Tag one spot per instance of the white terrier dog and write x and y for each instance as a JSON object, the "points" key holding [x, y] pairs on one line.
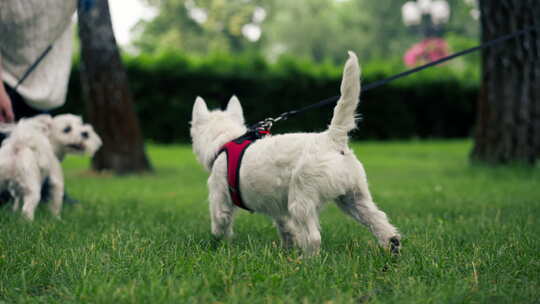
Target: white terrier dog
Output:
{"points": [[70, 135], [289, 177], [32, 153]]}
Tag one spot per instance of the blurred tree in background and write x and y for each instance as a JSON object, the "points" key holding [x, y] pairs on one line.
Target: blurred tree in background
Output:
{"points": [[318, 30], [508, 123], [108, 98]]}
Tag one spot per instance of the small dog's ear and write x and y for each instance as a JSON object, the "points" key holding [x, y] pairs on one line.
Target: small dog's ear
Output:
{"points": [[235, 108], [200, 110], [44, 119]]}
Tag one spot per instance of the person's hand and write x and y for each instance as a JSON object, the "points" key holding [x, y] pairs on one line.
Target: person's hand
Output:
{"points": [[6, 109]]}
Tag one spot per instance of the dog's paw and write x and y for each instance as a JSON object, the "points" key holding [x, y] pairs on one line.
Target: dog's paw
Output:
{"points": [[395, 245], [28, 216]]}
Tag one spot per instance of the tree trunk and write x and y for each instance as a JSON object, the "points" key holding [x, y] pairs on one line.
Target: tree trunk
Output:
{"points": [[508, 122], [107, 96]]}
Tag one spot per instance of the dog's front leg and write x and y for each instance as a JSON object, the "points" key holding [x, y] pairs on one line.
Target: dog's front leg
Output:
{"points": [[56, 189], [222, 214], [221, 209], [285, 228], [16, 201]]}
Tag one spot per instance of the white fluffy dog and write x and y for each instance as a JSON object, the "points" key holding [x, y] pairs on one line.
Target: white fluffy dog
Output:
{"points": [[32, 153], [289, 177]]}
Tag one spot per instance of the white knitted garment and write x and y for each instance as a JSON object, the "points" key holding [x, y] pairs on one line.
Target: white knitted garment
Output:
{"points": [[27, 28]]}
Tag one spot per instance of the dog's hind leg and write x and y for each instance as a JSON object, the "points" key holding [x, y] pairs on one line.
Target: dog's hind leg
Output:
{"points": [[305, 219], [360, 206], [307, 234]]}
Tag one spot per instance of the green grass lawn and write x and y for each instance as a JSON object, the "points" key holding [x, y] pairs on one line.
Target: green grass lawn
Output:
{"points": [[471, 235]]}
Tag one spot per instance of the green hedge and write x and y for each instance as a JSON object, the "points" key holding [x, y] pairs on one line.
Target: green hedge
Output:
{"points": [[435, 103]]}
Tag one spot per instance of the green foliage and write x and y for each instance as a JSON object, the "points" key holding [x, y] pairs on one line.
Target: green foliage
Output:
{"points": [[461, 22], [435, 103], [317, 30], [459, 43], [174, 29], [470, 236], [321, 30]]}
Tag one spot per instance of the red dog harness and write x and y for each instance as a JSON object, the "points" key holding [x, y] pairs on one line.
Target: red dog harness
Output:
{"points": [[235, 151]]}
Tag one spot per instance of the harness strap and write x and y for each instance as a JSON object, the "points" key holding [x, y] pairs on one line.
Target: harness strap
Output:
{"points": [[235, 151]]}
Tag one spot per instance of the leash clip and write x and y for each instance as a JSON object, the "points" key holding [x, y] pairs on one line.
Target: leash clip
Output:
{"points": [[266, 125]]}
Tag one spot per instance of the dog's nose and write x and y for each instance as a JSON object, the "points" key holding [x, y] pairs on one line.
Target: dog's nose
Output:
{"points": [[84, 134]]}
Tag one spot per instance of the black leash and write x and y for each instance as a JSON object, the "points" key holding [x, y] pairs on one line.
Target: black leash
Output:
{"points": [[268, 122], [33, 66], [84, 5]]}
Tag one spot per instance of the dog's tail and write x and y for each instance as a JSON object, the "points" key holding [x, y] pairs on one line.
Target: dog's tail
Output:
{"points": [[344, 119]]}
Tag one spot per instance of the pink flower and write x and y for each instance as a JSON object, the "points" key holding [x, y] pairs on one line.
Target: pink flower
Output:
{"points": [[429, 50]]}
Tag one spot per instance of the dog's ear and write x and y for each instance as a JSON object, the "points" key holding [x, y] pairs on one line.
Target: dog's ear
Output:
{"points": [[45, 119], [235, 108], [42, 122], [200, 110]]}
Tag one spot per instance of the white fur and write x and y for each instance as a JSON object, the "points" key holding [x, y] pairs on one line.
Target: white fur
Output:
{"points": [[33, 152], [289, 177]]}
